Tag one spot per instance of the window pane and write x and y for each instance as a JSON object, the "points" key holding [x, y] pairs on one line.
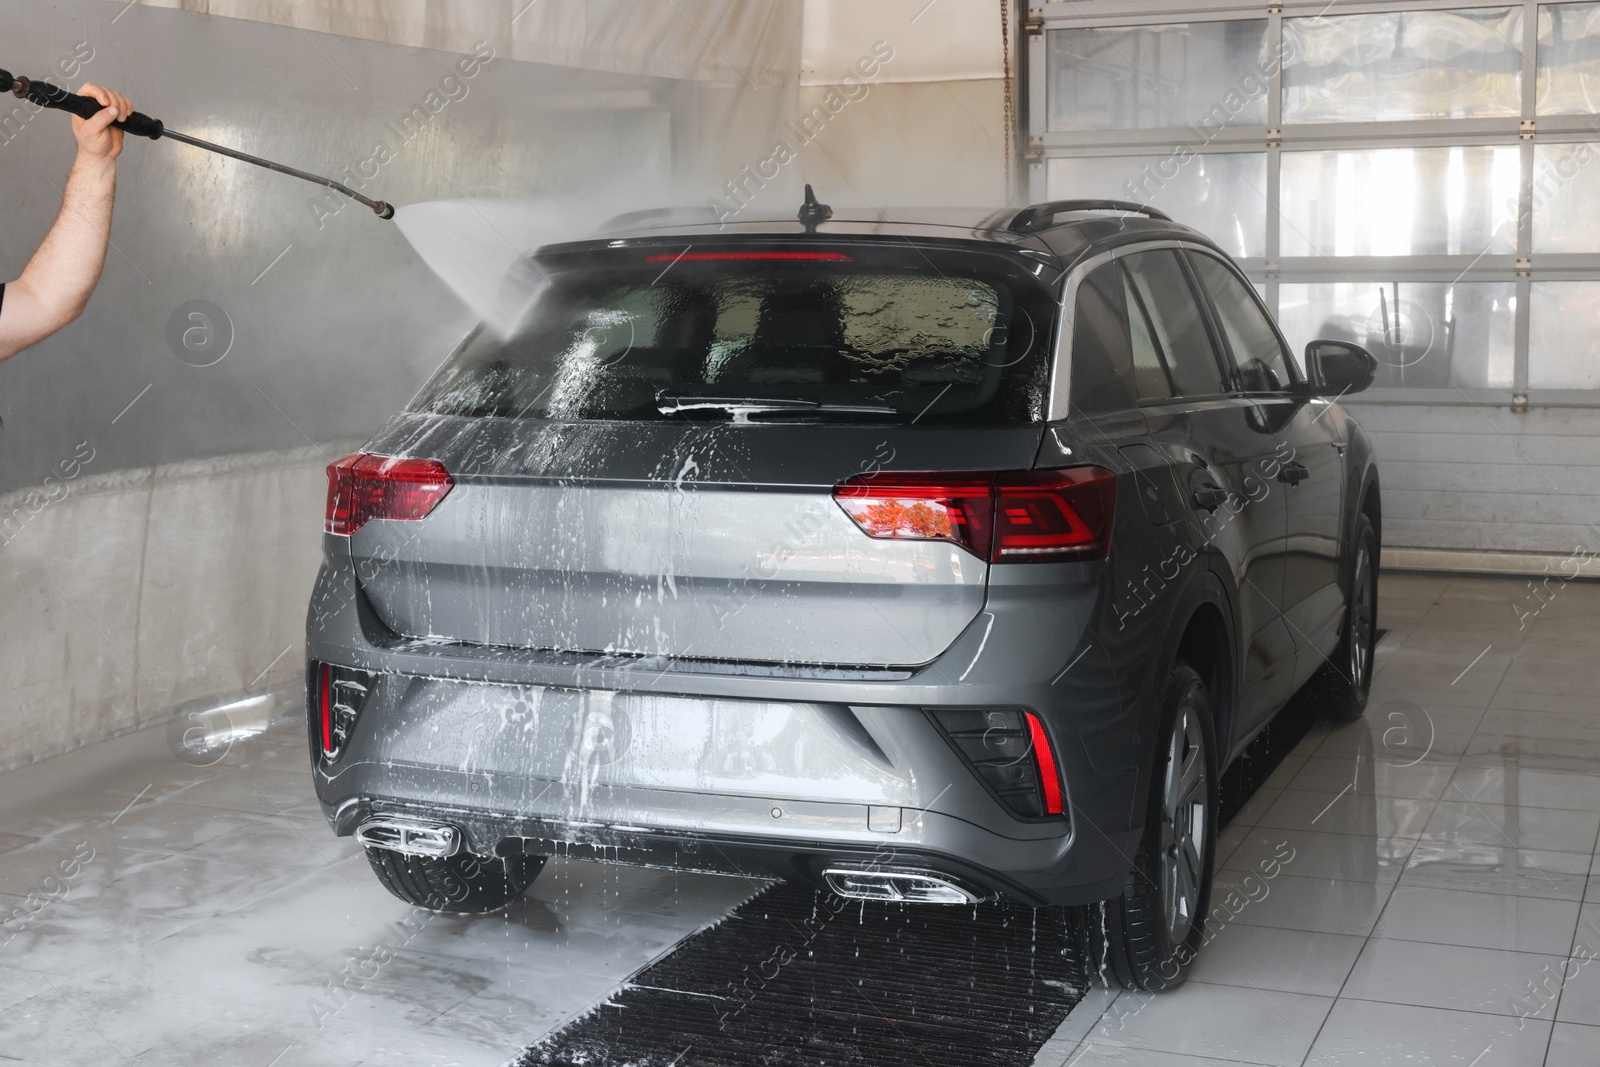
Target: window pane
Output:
{"points": [[1409, 65], [1211, 74], [1150, 377], [1401, 202], [1221, 194], [1566, 198], [1564, 336], [1257, 352], [1569, 59], [1180, 329], [1424, 334], [1102, 350]]}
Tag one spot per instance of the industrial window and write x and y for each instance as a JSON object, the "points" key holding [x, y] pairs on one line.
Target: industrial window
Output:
{"points": [[1418, 178]]}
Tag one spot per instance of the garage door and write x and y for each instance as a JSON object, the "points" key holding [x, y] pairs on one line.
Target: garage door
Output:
{"points": [[1423, 181]]}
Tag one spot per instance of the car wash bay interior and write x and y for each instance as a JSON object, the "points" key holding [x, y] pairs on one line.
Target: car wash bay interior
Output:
{"points": [[1417, 887]]}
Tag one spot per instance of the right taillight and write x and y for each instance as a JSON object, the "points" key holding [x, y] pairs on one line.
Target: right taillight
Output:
{"points": [[364, 487], [1005, 517]]}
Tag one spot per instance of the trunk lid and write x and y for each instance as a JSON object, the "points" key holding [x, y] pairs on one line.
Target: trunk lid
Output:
{"points": [[715, 542]]}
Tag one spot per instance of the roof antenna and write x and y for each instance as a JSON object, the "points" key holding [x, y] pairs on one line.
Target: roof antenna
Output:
{"points": [[813, 214]]}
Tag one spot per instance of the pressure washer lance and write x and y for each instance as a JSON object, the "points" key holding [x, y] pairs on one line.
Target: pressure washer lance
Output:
{"points": [[141, 125]]}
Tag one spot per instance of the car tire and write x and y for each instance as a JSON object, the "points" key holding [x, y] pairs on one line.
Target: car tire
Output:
{"points": [[463, 884], [1341, 686], [1146, 937]]}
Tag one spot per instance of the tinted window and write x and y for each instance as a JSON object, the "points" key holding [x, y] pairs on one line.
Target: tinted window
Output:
{"points": [[1256, 348], [1179, 326], [1149, 370], [930, 336], [1102, 349]]}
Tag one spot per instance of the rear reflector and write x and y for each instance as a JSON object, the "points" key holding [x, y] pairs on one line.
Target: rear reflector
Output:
{"points": [[341, 693], [1010, 750], [1008, 517], [363, 487], [737, 257], [1044, 759]]}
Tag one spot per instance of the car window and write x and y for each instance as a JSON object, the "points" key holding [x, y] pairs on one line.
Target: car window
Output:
{"points": [[1114, 359], [1102, 350], [1150, 376], [918, 334], [1180, 328], [1261, 364]]}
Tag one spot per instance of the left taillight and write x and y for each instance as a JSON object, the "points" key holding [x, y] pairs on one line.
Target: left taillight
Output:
{"points": [[364, 487], [1004, 517]]}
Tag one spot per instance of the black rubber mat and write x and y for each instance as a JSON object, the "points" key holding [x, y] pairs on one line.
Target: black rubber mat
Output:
{"points": [[794, 977]]}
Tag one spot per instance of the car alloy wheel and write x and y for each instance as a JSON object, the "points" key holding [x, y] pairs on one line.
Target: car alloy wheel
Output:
{"points": [[1184, 825]]}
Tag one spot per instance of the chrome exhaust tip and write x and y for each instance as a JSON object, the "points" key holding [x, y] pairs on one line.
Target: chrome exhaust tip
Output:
{"points": [[410, 837], [899, 886]]}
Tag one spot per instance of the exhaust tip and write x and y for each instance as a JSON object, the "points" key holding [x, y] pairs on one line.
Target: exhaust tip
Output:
{"points": [[410, 837], [899, 886]]}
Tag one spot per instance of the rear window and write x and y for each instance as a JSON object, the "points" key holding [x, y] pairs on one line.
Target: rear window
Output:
{"points": [[895, 334]]}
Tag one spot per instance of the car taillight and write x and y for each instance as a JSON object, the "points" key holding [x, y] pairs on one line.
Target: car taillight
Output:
{"points": [[1007, 517], [363, 487]]}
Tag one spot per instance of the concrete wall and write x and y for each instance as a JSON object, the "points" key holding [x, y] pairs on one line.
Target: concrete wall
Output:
{"points": [[127, 593]]}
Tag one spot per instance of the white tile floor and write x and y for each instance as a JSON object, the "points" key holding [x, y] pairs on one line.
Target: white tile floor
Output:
{"points": [[1442, 895], [200, 915]]}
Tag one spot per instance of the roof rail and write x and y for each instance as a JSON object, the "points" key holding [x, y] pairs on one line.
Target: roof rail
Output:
{"points": [[1036, 217]]}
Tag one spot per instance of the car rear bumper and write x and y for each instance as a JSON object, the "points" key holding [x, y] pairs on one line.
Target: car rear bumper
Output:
{"points": [[782, 775]]}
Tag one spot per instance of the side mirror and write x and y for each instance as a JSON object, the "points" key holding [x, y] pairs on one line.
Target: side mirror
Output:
{"points": [[1338, 368]]}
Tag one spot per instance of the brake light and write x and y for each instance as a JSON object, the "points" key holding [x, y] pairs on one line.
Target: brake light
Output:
{"points": [[1044, 759], [1008, 517], [737, 257], [364, 487]]}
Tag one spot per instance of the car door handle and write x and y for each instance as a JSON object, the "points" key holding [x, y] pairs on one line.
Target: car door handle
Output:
{"points": [[1294, 473], [1209, 496]]}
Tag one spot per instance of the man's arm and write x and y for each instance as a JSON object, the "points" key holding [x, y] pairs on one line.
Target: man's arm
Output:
{"points": [[54, 288]]}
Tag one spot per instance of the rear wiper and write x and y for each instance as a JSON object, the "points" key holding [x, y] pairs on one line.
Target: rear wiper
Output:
{"points": [[741, 408]]}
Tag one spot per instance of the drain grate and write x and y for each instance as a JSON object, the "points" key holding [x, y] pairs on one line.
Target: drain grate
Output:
{"points": [[796, 977]]}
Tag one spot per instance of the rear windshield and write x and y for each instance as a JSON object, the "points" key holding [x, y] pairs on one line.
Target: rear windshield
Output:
{"points": [[860, 334]]}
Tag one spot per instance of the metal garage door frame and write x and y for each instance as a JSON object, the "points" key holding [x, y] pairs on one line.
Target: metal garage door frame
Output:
{"points": [[1274, 138]]}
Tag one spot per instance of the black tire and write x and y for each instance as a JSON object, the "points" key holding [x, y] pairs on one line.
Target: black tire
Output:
{"points": [[1341, 686], [1146, 937], [462, 884]]}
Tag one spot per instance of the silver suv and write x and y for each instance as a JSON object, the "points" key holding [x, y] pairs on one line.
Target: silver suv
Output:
{"points": [[925, 560]]}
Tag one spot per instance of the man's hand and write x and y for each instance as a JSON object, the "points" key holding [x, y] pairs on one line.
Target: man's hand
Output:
{"points": [[97, 138], [55, 287]]}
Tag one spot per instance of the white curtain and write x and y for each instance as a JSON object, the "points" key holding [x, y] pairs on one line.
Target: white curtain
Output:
{"points": [[731, 42]]}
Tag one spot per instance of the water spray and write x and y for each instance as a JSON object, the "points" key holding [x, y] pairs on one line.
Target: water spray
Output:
{"points": [[139, 124]]}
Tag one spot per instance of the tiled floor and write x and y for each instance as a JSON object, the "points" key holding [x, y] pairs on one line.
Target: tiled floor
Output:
{"points": [[1444, 894], [171, 914], [1438, 900]]}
